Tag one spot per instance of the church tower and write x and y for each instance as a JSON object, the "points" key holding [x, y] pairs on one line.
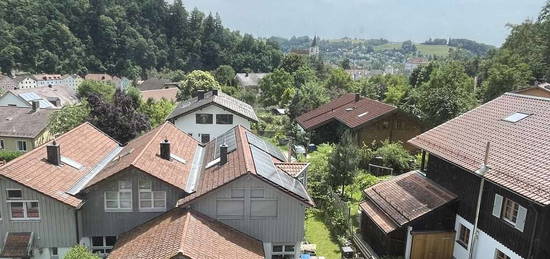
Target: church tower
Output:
{"points": [[314, 49]]}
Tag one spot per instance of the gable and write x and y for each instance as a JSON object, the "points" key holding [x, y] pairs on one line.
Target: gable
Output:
{"points": [[10, 99]]}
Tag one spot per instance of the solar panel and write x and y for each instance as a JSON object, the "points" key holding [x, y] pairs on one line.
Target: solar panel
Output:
{"points": [[30, 96], [227, 138], [266, 169], [265, 146]]}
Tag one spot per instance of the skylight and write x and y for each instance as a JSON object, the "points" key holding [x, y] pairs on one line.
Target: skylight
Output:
{"points": [[516, 117], [362, 114]]}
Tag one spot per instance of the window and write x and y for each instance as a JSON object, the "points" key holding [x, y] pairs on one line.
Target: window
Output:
{"points": [[120, 200], [149, 199], [501, 255], [510, 212], [204, 118], [283, 252], [54, 253], [263, 208], [230, 208], [516, 117], [14, 194], [463, 236], [224, 118], [205, 138], [2, 144], [22, 145], [103, 245], [24, 210]]}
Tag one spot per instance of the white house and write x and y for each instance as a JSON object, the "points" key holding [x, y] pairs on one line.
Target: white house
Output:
{"points": [[210, 114], [25, 81], [49, 80]]}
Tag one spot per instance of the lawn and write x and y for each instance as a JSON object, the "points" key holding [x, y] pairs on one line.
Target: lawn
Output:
{"points": [[317, 233], [438, 50]]}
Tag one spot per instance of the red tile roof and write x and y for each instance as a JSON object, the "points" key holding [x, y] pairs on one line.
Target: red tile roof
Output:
{"points": [[168, 94], [239, 163], [519, 155], [17, 245], [349, 109], [84, 144], [143, 153], [186, 233], [400, 200], [292, 168]]}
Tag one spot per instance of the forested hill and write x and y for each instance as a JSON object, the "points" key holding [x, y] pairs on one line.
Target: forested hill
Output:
{"points": [[122, 37]]}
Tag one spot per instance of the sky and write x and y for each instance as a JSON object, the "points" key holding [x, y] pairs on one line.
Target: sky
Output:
{"points": [[396, 20]]}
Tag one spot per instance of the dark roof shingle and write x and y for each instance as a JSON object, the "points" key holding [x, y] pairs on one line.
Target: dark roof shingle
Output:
{"points": [[17, 244]]}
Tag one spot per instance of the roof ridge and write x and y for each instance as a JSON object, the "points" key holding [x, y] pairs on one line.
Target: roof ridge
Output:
{"points": [[337, 107], [526, 96], [247, 153], [159, 128], [185, 229]]}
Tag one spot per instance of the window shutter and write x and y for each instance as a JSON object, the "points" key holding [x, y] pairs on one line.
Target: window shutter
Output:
{"points": [[522, 215], [497, 206]]}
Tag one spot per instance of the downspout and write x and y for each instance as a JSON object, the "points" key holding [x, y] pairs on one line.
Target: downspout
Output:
{"points": [[532, 241], [481, 172]]}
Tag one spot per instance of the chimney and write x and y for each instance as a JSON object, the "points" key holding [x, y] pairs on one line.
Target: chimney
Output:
{"points": [[215, 92], [223, 154], [35, 105], [200, 94], [165, 149], [53, 153], [357, 97], [246, 74]]}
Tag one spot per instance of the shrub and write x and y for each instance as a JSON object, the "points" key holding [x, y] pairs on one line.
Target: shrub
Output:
{"points": [[6, 155], [80, 252], [394, 155]]}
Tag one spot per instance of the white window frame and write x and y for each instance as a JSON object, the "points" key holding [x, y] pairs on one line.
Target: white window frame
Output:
{"points": [[104, 247], [284, 250], [24, 142], [118, 200], [459, 236], [498, 251], [152, 199], [25, 210]]}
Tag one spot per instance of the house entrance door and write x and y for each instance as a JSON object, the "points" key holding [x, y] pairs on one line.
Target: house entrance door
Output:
{"points": [[432, 245]]}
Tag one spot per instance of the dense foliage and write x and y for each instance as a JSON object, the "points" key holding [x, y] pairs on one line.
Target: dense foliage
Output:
{"points": [[80, 252], [68, 117], [122, 37], [7, 155]]}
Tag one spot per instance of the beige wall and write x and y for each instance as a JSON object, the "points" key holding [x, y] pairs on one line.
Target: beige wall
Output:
{"points": [[535, 92], [10, 143]]}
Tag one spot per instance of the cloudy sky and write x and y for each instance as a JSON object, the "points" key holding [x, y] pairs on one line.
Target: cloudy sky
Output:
{"points": [[396, 20]]}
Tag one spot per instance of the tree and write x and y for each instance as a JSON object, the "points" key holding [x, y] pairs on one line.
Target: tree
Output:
{"points": [[277, 88], [157, 111], [319, 171], [197, 80], [394, 155], [346, 64], [343, 162], [224, 74], [447, 94], [101, 89], [119, 119], [308, 97], [68, 118], [339, 82], [80, 252], [504, 72], [408, 47], [292, 62]]}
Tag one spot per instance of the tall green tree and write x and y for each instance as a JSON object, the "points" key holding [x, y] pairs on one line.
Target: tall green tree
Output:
{"points": [[197, 80], [224, 74], [277, 88], [343, 162], [504, 72]]}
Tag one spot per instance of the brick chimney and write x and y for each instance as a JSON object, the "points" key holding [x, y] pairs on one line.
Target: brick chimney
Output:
{"points": [[357, 97], [53, 152], [35, 105], [223, 154]]}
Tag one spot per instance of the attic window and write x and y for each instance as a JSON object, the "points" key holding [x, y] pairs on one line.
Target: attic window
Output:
{"points": [[516, 117]]}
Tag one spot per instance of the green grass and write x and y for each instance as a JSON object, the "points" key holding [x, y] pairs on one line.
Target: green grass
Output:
{"points": [[438, 50], [317, 233]]}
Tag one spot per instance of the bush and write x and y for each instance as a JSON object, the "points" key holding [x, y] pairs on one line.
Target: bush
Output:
{"points": [[394, 155], [6, 155], [80, 252]]}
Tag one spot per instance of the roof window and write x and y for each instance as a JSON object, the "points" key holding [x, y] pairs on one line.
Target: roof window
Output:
{"points": [[516, 117]]}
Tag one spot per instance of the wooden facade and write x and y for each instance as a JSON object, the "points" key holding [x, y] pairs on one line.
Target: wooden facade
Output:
{"points": [[532, 241]]}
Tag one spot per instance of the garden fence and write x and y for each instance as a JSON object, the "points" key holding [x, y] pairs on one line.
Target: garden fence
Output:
{"points": [[379, 170]]}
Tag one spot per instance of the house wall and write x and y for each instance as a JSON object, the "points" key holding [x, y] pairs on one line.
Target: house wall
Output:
{"points": [[397, 127], [535, 92], [10, 143], [392, 244], [187, 122], [56, 226], [10, 99], [27, 83], [97, 222], [466, 186], [286, 228]]}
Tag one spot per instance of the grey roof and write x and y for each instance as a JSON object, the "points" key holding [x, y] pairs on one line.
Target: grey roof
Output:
{"points": [[22, 122], [7, 83], [155, 84], [20, 78], [65, 94], [249, 79], [220, 99]]}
